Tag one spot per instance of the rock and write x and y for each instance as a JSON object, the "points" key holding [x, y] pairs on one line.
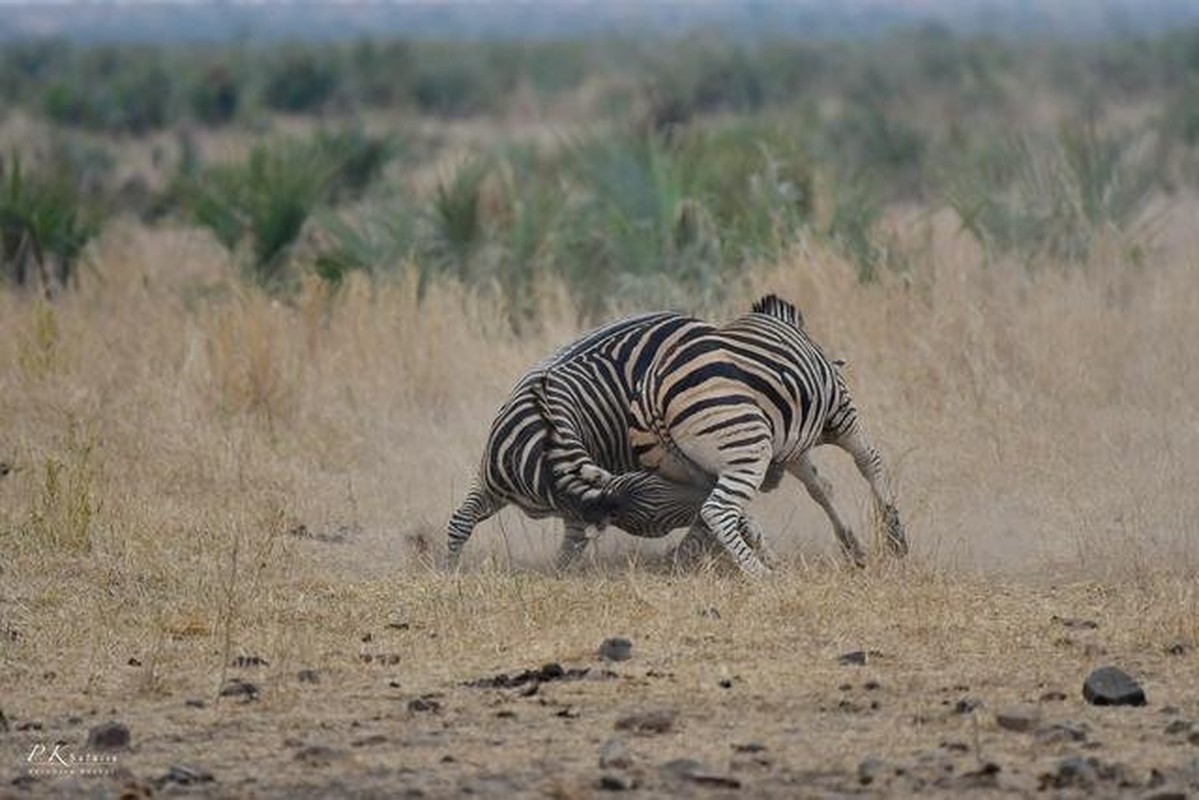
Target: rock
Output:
{"points": [[184, 775], [239, 688], [693, 771], [195, 702], [423, 704], [616, 782], [108, 736], [647, 722], [616, 649], [1072, 772], [1179, 726], [615, 755], [308, 676], [1018, 718], [872, 769], [856, 658], [967, 705], [1062, 732], [1111, 686]]}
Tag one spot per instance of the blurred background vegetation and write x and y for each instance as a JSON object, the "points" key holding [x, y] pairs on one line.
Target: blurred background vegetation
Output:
{"points": [[642, 170]]}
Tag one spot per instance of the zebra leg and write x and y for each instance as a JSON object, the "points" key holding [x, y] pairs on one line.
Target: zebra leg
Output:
{"points": [[870, 464], [478, 506], [821, 491], [574, 542], [722, 513]]}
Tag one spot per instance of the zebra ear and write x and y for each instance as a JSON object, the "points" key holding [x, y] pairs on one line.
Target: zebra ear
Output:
{"points": [[774, 306]]}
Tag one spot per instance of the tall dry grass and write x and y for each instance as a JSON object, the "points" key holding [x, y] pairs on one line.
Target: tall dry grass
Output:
{"points": [[172, 430]]}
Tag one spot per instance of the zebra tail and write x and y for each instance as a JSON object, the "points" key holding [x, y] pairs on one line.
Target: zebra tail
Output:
{"points": [[580, 485]]}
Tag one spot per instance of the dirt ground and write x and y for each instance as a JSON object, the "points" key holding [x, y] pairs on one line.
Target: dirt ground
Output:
{"points": [[818, 682]]}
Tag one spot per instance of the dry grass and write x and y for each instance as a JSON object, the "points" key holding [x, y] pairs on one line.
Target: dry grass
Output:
{"points": [[170, 431]]}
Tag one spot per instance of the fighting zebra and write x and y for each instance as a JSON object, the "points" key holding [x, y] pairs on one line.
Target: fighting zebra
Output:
{"points": [[585, 393], [598, 374], [728, 409]]}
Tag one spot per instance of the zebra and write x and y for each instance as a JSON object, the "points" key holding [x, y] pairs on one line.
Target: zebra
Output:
{"points": [[731, 408], [597, 375], [584, 392]]}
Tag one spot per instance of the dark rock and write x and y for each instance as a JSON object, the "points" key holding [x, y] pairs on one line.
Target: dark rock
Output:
{"points": [[195, 703], [1071, 773], [239, 688], [1178, 649], [308, 676], [547, 673], [133, 662], [1111, 686], [725, 683], [506, 713], [616, 782], [616, 649], [108, 736], [424, 704], [856, 658], [615, 755], [967, 705], [871, 686], [1018, 718], [985, 777], [184, 775], [399, 626], [871, 770], [647, 722]]}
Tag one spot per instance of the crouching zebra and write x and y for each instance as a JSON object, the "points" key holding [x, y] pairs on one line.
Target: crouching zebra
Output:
{"points": [[597, 374], [729, 409]]}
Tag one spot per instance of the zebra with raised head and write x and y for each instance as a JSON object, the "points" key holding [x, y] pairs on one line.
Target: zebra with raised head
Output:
{"points": [[592, 394], [728, 409]]}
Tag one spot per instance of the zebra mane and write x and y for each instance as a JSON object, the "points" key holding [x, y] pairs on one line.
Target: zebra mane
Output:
{"points": [[774, 306]]}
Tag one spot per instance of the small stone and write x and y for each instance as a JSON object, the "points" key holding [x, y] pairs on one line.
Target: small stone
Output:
{"points": [[239, 688], [1020, 719], [1178, 649], [423, 705], [1111, 686], [856, 658], [195, 702], [967, 705], [871, 769], [1072, 772], [725, 683], [616, 782], [108, 736], [133, 662], [1062, 732], [647, 722], [308, 676], [184, 775], [691, 770], [616, 649], [319, 755], [871, 686], [615, 755], [1178, 726]]}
